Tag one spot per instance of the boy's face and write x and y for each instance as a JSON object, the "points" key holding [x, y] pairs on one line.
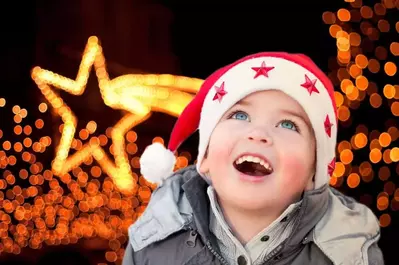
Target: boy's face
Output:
{"points": [[262, 152]]}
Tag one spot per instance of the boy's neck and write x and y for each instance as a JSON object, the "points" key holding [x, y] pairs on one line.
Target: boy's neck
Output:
{"points": [[247, 224]]}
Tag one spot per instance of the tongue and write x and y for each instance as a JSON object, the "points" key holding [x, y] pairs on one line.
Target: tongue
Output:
{"points": [[252, 169]]}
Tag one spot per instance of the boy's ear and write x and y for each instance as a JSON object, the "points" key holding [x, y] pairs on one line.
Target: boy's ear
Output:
{"points": [[204, 167], [310, 184]]}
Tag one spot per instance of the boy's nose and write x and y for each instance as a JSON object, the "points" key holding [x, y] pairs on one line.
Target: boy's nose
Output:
{"points": [[259, 136]]}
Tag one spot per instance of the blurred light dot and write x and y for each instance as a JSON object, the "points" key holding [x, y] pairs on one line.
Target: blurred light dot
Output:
{"points": [[385, 139], [355, 71], [389, 3], [375, 100], [385, 220], [2, 102], [361, 82], [395, 154], [329, 17], [389, 188], [343, 15], [343, 145], [334, 29], [16, 109], [375, 155], [339, 169], [131, 136], [39, 123], [379, 9], [390, 68], [355, 40], [374, 66], [91, 127], [382, 203], [343, 113], [43, 107], [360, 140], [346, 156], [381, 53], [366, 12], [353, 180], [384, 173], [394, 48], [389, 91], [395, 108], [158, 140]]}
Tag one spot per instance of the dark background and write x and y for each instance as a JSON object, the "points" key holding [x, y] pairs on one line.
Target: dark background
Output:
{"points": [[186, 38]]}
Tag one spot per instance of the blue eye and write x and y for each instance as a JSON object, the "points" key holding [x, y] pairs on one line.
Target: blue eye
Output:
{"points": [[287, 124], [240, 115]]}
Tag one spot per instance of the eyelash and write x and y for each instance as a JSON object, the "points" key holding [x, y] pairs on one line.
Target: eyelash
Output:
{"points": [[234, 113], [293, 123], [284, 120]]}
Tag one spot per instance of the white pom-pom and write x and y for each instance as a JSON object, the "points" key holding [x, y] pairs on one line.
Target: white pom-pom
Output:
{"points": [[157, 163]]}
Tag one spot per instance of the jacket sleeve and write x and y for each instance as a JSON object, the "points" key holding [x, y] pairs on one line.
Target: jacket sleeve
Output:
{"points": [[374, 254], [128, 258]]}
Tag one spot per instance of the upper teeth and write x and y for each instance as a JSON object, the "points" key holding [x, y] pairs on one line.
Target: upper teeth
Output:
{"points": [[253, 159]]}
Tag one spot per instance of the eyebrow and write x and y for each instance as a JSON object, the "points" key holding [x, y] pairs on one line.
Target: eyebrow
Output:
{"points": [[295, 114], [243, 102]]}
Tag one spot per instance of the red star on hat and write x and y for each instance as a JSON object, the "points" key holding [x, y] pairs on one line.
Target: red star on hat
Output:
{"points": [[327, 126], [220, 92], [310, 85], [262, 70], [331, 167]]}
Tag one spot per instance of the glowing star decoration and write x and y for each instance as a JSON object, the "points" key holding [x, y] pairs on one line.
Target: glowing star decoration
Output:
{"points": [[220, 92], [139, 95], [310, 85], [327, 126], [262, 70]]}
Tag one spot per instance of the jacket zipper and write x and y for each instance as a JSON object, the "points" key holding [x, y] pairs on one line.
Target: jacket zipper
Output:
{"points": [[192, 238], [275, 253], [194, 234], [272, 254], [215, 253]]}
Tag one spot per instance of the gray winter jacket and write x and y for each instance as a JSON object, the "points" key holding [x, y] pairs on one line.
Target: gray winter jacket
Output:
{"points": [[173, 230]]}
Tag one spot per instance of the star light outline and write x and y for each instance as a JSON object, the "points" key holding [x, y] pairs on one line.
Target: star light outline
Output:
{"points": [[139, 109]]}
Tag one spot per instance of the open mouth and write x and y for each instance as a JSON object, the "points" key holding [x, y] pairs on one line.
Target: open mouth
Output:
{"points": [[253, 166]]}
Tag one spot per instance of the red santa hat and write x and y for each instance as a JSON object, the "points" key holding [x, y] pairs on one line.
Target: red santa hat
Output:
{"points": [[294, 74]]}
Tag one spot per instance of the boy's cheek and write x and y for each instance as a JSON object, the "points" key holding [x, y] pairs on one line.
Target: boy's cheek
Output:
{"points": [[294, 167]]}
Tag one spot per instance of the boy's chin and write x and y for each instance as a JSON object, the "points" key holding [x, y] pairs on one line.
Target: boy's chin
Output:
{"points": [[250, 199], [255, 204]]}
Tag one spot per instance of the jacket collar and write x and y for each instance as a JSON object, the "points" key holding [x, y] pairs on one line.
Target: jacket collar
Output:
{"points": [[314, 205], [337, 224]]}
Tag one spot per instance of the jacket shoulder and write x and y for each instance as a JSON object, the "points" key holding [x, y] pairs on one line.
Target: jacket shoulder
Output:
{"points": [[375, 256], [167, 212], [347, 231]]}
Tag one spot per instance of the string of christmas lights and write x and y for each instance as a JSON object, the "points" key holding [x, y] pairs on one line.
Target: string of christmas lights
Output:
{"points": [[364, 70]]}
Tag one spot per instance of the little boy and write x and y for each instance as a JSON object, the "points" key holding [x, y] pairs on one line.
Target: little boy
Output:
{"points": [[259, 192]]}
